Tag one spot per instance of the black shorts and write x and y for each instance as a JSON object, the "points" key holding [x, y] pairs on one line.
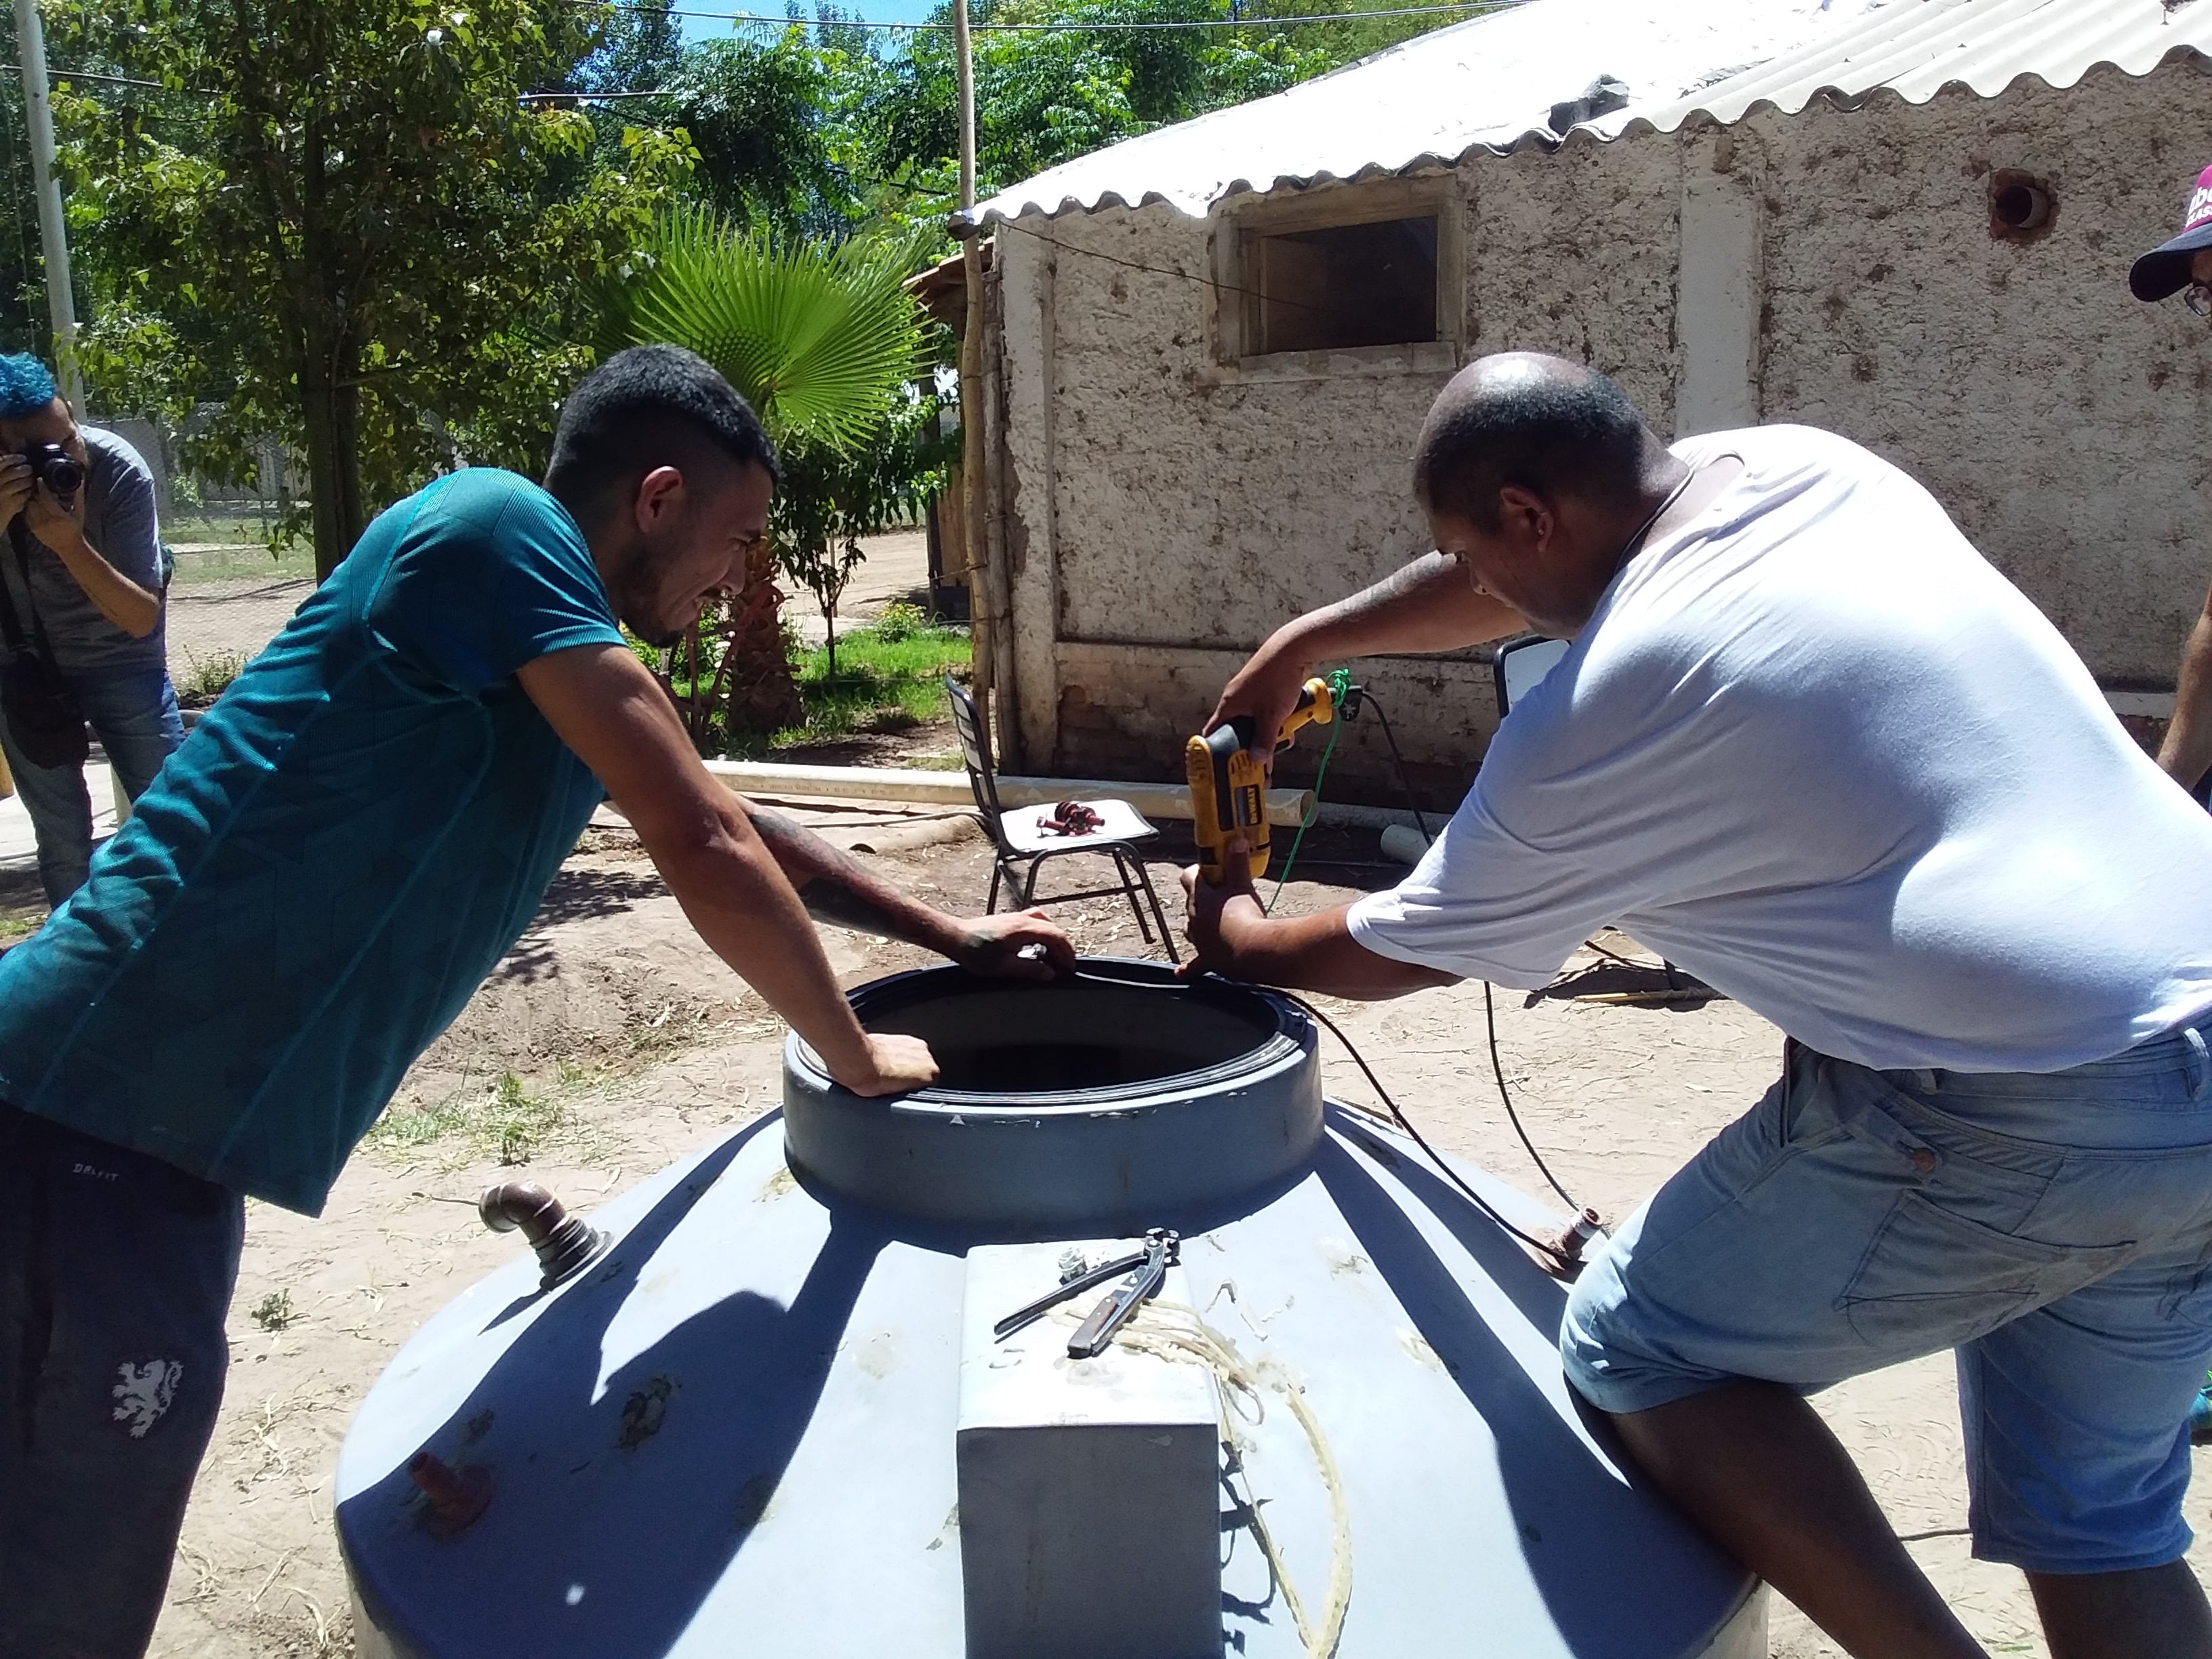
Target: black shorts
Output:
{"points": [[116, 1272]]}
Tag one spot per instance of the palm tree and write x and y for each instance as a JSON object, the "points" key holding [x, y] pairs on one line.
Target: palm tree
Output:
{"points": [[823, 340]]}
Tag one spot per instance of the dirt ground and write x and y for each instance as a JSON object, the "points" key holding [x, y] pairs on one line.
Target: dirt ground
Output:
{"points": [[233, 616], [610, 1043]]}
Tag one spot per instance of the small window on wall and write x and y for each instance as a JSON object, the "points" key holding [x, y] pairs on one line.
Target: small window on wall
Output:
{"points": [[1340, 287]]}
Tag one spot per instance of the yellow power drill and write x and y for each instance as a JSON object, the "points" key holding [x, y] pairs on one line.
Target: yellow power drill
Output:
{"points": [[1228, 787]]}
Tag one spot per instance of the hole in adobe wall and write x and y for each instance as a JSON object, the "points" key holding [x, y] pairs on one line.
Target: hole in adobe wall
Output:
{"points": [[2021, 207]]}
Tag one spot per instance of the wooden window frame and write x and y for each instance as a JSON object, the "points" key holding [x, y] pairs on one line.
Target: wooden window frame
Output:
{"points": [[1329, 207]]}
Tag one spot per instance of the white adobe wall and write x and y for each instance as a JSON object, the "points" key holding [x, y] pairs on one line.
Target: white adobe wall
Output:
{"points": [[1163, 514], [1161, 523], [2063, 424]]}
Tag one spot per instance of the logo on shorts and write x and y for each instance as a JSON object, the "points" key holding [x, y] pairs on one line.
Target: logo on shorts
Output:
{"points": [[144, 1396]]}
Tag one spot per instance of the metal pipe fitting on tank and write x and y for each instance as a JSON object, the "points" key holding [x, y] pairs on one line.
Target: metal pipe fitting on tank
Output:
{"points": [[1576, 1235], [564, 1243]]}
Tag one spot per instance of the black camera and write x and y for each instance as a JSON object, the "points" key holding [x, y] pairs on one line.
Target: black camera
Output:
{"points": [[56, 468]]}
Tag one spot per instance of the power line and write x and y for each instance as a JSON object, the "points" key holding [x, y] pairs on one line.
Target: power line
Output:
{"points": [[736, 19], [551, 97], [93, 75], [1059, 247], [755, 20]]}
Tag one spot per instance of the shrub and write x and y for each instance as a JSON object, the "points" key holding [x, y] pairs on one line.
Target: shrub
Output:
{"points": [[900, 621]]}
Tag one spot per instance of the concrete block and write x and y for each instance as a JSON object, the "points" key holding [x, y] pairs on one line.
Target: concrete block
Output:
{"points": [[1090, 1489]]}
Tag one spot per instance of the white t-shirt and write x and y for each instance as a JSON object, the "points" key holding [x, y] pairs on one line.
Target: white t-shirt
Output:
{"points": [[1815, 749]]}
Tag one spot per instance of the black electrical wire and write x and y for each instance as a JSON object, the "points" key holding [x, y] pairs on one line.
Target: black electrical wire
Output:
{"points": [[1397, 1114], [1489, 1002], [1497, 1071], [1405, 778], [754, 20], [1435, 1157], [1059, 247], [1490, 1030]]}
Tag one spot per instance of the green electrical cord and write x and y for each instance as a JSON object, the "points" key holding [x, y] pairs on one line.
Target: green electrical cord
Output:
{"points": [[1340, 684]]}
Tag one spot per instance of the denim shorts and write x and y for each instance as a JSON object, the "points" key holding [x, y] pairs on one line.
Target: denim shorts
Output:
{"points": [[2054, 1230]]}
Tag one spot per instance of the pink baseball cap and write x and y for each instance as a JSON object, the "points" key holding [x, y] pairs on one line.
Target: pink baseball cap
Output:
{"points": [[2164, 270]]}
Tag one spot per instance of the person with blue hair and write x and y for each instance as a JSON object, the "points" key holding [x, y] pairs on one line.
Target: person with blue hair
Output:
{"points": [[26, 386], [82, 641]]}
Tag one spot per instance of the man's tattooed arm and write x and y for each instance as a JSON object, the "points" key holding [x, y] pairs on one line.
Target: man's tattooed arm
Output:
{"points": [[837, 888]]}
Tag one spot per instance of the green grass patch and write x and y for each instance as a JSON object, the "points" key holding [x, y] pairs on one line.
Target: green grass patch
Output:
{"points": [[223, 549], [274, 1311], [882, 684], [205, 678], [506, 1122]]}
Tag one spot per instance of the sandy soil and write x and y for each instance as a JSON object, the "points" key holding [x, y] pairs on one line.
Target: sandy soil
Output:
{"points": [[228, 616], [896, 568], [629, 1045]]}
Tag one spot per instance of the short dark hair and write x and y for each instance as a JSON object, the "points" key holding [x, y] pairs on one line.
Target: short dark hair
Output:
{"points": [[1554, 430], [643, 408]]}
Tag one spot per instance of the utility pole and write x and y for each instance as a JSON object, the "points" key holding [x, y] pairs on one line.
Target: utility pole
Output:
{"points": [[982, 625], [53, 236], [963, 47]]}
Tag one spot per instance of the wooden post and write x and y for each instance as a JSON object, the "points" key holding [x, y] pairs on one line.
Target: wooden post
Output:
{"points": [[982, 623]]}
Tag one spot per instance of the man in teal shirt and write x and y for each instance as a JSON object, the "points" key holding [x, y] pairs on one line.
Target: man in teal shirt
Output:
{"points": [[311, 891]]}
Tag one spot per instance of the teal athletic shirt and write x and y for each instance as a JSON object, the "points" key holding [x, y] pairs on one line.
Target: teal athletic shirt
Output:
{"points": [[327, 869]]}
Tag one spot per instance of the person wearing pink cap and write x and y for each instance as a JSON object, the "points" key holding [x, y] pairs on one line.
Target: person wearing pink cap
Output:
{"points": [[2184, 266]]}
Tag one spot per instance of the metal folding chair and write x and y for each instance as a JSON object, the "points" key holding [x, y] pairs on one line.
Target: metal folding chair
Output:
{"points": [[1021, 844]]}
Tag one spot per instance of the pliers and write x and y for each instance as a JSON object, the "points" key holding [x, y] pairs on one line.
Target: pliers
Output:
{"points": [[1147, 1271]]}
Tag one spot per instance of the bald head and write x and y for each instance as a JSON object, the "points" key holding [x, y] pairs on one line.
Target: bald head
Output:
{"points": [[1541, 423]]}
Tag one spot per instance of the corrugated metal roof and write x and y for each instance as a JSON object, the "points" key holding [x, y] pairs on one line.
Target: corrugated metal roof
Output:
{"points": [[1917, 49], [1490, 84]]}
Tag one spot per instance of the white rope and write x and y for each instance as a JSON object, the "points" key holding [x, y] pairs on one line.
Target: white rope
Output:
{"points": [[1173, 1331]]}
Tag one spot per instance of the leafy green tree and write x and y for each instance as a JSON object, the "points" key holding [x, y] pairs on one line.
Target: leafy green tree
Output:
{"points": [[830, 499], [367, 244], [640, 47], [757, 115], [1044, 97], [1334, 43], [825, 343], [22, 273]]}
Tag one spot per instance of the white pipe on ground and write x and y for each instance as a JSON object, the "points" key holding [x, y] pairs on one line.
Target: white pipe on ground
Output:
{"points": [[1158, 800]]}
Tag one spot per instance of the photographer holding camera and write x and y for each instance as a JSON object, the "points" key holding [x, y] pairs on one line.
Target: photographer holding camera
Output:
{"points": [[81, 616]]}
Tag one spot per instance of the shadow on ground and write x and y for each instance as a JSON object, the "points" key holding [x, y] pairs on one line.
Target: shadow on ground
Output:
{"points": [[1633, 984], [578, 894]]}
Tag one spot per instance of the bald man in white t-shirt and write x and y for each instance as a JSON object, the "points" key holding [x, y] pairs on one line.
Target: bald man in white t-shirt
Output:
{"points": [[1810, 745]]}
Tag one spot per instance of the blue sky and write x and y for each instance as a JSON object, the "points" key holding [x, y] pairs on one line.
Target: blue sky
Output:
{"points": [[888, 11]]}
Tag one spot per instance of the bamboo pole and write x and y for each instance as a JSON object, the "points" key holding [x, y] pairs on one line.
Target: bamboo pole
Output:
{"points": [[981, 619], [982, 623]]}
